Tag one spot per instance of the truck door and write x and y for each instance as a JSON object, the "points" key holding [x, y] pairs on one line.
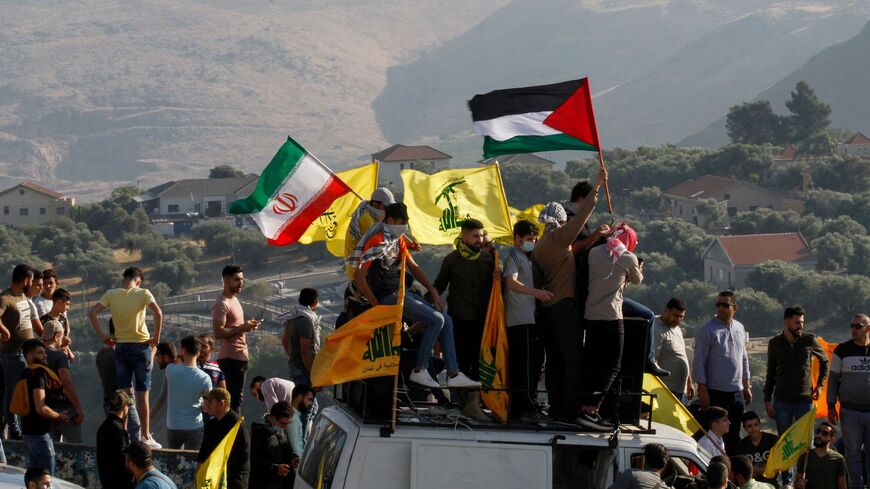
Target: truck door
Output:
{"points": [[436, 464]]}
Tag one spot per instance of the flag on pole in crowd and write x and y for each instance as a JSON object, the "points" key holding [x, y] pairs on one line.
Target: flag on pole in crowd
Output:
{"points": [[791, 445], [332, 225], [822, 403], [667, 409], [438, 204], [212, 473], [530, 214], [293, 191], [494, 354], [552, 117], [366, 346]]}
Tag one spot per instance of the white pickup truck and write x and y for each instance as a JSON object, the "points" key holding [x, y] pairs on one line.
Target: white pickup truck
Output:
{"points": [[342, 452]]}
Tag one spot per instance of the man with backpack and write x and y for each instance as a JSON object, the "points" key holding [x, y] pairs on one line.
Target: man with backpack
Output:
{"points": [[37, 388]]}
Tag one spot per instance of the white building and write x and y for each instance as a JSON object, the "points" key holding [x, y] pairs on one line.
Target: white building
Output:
{"points": [[207, 197], [859, 146], [399, 157], [29, 203]]}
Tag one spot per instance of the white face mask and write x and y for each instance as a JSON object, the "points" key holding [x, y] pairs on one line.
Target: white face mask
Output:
{"points": [[528, 246], [378, 214], [397, 229]]}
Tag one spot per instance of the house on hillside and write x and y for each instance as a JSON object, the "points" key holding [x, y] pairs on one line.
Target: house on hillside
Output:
{"points": [[29, 203], [857, 145], [729, 259], [732, 195], [525, 159], [204, 197], [399, 157]]}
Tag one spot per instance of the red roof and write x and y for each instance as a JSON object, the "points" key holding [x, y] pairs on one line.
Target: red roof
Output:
{"points": [[789, 153], [400, 152], [36, 188], [752, 249], [859, 139], [702, 187]]}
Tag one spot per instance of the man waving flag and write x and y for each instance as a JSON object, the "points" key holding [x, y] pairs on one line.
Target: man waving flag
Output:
{"points": [[293, 191]]}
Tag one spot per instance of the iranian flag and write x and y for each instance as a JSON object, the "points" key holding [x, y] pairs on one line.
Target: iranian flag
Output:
{"points": [[293, 191], [531, 119]]}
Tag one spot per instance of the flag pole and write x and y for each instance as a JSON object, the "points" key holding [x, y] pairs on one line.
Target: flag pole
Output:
{"points": [[334, 175], [606, 187]]}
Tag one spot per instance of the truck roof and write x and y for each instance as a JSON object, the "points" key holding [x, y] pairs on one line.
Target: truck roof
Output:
{"points": [[423, 425]]}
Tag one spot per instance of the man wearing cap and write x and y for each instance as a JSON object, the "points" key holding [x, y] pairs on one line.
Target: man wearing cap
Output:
{"points": [[217, 404], [112, 440], [554, 271], [140, 463], [366, 214], [52, 338]]}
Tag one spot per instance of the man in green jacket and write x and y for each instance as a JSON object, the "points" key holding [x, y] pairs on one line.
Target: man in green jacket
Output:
{"points": [[788, 388]]}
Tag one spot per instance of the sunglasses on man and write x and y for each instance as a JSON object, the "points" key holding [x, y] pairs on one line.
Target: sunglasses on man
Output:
{"points": [[724, 304], [822, 431], [857, 326]]}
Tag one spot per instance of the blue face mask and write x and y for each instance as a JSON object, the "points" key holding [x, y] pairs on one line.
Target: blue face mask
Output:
{"points": [[528, 246]]}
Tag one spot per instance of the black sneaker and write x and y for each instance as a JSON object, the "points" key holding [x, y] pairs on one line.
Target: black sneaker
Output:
{"points": [[593, 422]]}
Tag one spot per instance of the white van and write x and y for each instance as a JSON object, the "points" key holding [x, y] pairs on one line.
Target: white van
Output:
{"points": [[342, 452]]}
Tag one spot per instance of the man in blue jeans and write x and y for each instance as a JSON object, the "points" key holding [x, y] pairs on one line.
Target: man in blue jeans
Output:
{"points": [[378, 262], [788, 386], [133, 342], [43, 387], [15, 328], [850, 385]]}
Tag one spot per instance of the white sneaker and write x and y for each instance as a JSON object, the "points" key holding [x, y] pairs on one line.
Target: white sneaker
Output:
{"points": [[460, 381], [152, 443], [422, 377]]}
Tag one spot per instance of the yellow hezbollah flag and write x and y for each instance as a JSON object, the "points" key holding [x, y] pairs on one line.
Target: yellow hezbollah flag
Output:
{"points": [[494, 354], [438, 204], [530, 214], [331, 226], [821, 403], [212, 473], [794, 442], [667, 409], [367, 346]]}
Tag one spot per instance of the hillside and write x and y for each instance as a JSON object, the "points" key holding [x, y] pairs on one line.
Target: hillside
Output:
{"points": [[97, 93], [659, 69], [840, 77]]}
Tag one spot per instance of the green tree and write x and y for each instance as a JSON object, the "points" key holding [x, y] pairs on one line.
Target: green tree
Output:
{"points": [[741, 161], [678, 239], [526, 185], [179, 274], [833, 251], [846, 174], [859, 263], [225, 171], [754, 123], [809, 115], [782, 281], [659, 268], [15, 249], [646, 200], [765, 312], [712, 213], [66, 237]]}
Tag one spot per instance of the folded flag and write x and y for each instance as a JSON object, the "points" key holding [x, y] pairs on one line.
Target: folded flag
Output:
{"points": [[494, 354], [794, 442], [667, 409], [531, 119], [292, 192], [211, 474], [332, 225]]}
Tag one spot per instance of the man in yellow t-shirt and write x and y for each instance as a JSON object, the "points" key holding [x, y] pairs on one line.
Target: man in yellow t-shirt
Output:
{"points": [[134, 345]]}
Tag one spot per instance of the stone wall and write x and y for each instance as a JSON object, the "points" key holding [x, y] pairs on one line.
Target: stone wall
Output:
{"points": [[78, 463]]}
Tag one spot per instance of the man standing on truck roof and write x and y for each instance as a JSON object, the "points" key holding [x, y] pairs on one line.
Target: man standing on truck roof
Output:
{"points": [[655, 459], [554, 271], [467, 271], [378, 263], [721, 364]]}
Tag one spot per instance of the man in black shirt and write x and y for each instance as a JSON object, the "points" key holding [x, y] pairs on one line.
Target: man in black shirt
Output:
{"points": [[217, 405], [112, 440], [272, 458], [43, 387], [756, 445]]}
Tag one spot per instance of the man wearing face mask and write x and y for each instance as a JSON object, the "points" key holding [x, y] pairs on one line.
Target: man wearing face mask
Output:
{"points": [[467, 271], [377, 261], [368, 213], [554, 272], [526, 349]]}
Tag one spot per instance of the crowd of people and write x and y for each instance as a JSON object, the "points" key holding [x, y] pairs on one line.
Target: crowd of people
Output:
{"points": [[564, 294]]}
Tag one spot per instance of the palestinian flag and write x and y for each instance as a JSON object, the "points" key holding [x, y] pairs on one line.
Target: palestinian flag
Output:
{"points": [[293, 191], [531, 119]]}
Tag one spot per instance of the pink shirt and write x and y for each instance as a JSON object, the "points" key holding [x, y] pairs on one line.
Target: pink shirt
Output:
{"points": [[229, 311]]}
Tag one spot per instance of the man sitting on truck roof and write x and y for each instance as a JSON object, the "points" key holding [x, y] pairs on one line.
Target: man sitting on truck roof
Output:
{"points": [[655, 459], [378, 263]]}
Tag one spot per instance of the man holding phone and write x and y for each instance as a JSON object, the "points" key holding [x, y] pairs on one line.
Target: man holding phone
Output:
{"points": [[229, 326]]}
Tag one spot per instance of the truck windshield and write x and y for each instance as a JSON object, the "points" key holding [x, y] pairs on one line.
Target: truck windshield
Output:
{"points": [[322, 453], [582, 467]]}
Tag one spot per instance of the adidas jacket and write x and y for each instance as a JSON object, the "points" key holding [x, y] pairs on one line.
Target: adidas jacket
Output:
{"points": [[850, 376]]}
